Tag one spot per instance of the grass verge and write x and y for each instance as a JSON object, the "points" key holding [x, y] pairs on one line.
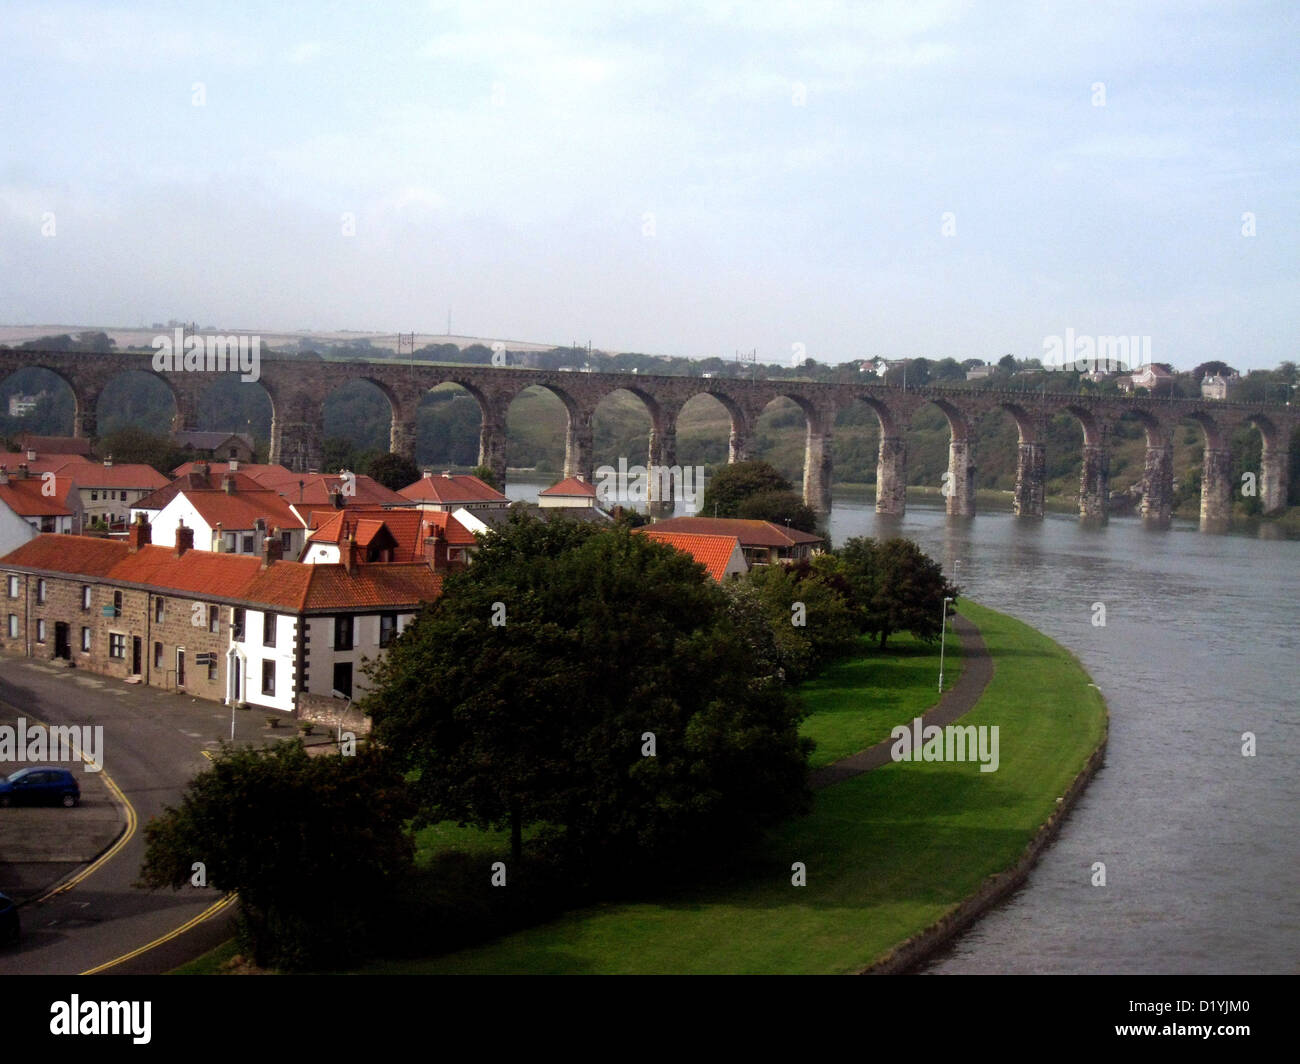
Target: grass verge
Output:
{"points": [[887, 853]]}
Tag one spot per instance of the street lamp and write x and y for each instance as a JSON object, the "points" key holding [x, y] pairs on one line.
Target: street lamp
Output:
{"points": [[943, 629]]}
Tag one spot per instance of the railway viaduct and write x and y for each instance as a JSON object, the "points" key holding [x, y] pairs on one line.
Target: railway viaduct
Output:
{"points": [[297, 390]]}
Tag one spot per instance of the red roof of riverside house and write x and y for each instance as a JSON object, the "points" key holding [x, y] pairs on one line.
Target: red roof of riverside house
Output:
{"points": [[54, 444], [750, 533], [219, 469], [195, 481], [241, 509], [93, 475], [28, 498], [713, 552], [451, 489], [317, 489], [42, 463], [284, 585], [408, 529], [571, 486]]}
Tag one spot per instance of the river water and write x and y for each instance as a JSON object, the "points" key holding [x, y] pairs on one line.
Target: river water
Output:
{"points": [[1201, 844]]}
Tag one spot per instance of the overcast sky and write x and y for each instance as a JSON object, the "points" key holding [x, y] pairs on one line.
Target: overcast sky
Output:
{"points": [[673, 178]]}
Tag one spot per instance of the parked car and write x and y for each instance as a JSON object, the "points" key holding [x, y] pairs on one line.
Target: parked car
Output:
{"points": [[40, 785], [8, 920]]}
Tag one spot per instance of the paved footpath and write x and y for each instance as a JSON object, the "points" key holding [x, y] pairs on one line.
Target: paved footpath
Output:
{"points": [[957, 701]]}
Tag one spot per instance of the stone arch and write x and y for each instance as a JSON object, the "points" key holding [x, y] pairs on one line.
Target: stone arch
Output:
{"points": [[575, 458], [65, 403], [224, 403], [140, 406], [618, 458], [448, 426], [1275, 462], [1094, 475]]}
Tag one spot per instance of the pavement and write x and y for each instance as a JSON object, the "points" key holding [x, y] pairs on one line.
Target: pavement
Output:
{"points": [[80, 917], [957, 701]]}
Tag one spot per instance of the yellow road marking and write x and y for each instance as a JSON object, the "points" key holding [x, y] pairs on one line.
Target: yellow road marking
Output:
{"points": [[211, 910], [207, 754]]}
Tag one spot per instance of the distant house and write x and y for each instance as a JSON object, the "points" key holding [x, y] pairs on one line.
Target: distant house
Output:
{"points": [[69, 445], [108, 491], [380, 535], [224, 446], [235, 518], [1219, 387], [722, 556], [762, 542], [319, 491], [448, 492], [46, 504], [977, 373], [15, 530], [571, 492], [1155, 379], [22, 405]]}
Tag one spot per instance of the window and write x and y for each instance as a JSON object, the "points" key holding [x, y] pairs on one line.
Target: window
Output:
{"points": [[116, 645], [117, 604], [13, 626], [13, 587], [85, 640], [40, 591], [40, 631], [387, 628], [268, 677], [237, 623], [214, 619], [343, 678], [286, 541], [157, 656], [247, 547], [159, 610], [85, 596], [343, 633], [123, 496], [94, 496], [268, 629]]}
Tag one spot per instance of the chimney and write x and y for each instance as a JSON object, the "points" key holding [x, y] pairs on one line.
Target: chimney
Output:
{"points": [[184, 539], [202, 469], [31, 454], [23, 471], [218, 538], [447, 473], [108, 462], [581, 478], [272, 549], [349, 553], [336, 498], [234, 466], [140, 534], [435, 550], [4, 475], [428, 474]]}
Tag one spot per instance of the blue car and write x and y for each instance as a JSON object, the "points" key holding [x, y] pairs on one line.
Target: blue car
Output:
{"points": [[8, 919], [40, 785]]}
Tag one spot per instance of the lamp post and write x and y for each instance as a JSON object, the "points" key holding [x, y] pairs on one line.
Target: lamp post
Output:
{"points": [[943, 630]]}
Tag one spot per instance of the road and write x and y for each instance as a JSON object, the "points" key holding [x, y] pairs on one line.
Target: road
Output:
{"points": [[153, 745]]}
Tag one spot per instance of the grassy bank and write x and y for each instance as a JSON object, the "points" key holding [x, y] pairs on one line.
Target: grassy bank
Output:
{"points": [[886, 854]]}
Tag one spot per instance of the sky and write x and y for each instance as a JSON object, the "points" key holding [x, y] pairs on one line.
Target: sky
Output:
{"points": [[812, 178]]}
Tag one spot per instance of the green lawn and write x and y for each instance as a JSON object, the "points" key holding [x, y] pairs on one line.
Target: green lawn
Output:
{"points": [[886, 853], [854, 703]]}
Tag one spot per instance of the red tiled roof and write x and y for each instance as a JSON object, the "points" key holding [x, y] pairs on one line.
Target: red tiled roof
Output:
{"points": [[242, 509], [750, 533], [218, 468], [409, 529], [131, 475], [28, 499], [52, 463], [713, 552], [156, 500], [317, 489], [289, 586], [54, 444], [571, 486], [451, 488]]}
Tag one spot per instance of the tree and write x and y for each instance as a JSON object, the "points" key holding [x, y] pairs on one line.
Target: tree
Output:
{"points": [[394, 471], [891, 587], [811, 622], [1213, 368], [527, 694], [757, 491], [132, 445], [1007, 363], [485, 474], [314, 846]]}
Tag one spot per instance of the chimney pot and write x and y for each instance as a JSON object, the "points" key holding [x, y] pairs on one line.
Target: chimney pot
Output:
{"points": [[108, 461], [140, 534], [4, 475], [23, 471], [272, 548], [31, 454], [184, 539]]}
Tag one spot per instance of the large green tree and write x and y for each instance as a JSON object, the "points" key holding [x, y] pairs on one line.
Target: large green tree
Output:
{"points": [[756, 490], [593, 683], [393, 471], [892, 586]]}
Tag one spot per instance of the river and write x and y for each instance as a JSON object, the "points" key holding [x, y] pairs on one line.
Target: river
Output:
{"points": [[1201, 844]]}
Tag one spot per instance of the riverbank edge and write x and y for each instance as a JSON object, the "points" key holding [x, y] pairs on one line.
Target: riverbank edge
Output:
{"points": [[911, 953]]}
